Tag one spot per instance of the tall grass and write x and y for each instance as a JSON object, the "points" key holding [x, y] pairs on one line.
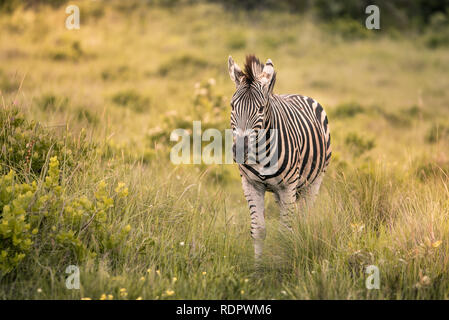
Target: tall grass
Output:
{"points": [[115, 96]]}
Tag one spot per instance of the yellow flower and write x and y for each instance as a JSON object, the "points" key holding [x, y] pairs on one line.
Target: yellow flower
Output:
{"points": [[103, 297], [169, 292], [174, 279], [436, 244], [86, 298], [110, 297], [139, 298], [120, 186], [142, 278], [121, 190], [242, 291], [204, 273], [123, 292], [158, 272], [148, 270]]}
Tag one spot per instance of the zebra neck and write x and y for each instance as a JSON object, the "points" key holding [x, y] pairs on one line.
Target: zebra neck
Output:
{"points": [[271, 119]]}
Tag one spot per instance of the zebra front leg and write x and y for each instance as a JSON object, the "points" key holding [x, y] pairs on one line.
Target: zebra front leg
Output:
{"points": [[287, 203], [255, 197]]}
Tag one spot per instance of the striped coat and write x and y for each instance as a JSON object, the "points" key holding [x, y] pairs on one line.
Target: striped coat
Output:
{"points": [[300, 149]]}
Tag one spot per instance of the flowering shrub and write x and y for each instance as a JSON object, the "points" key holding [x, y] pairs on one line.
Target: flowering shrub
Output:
{"points": [[42, 215]]}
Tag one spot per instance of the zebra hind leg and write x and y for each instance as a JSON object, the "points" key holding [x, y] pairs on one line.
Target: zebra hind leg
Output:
{"points": [[308, 196]]}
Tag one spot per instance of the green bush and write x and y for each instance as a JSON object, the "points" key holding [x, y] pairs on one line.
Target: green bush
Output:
{"points": [[358, 144], [11, 5], [398, 13], [437, 132], [26, 146], [68, 52], [15, 229], [50, 102], [437, 40], [131, 99], [42, 215], [347, 110], [86, 115], [401, 118], [183, 65], [349, 29], [116, 73]]}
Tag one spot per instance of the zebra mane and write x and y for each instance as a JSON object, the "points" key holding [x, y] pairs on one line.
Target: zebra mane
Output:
{"points": [[253, 68]]}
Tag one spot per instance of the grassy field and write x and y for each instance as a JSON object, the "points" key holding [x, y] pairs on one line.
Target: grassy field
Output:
{"points": [[106, 98]]}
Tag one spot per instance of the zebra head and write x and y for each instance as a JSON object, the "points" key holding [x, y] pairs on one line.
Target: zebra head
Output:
{"points": [[249, 103]]}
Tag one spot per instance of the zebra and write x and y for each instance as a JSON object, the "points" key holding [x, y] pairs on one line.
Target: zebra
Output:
{"points": [[302, 142]]}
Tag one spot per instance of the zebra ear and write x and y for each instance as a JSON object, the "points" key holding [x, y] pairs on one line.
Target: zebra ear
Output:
{"points": [[268, 75], [235, 72]]}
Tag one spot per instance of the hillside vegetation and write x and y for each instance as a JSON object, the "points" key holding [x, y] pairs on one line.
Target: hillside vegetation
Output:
{"points": [[86, 179]]}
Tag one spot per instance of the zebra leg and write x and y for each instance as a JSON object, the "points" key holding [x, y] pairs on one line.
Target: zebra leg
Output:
{"points": [[311, 192], [255, 197], [287, 204]]}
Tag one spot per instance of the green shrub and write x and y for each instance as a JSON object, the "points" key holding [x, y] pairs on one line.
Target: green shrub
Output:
{"points": [[349, 29], [11, 5], [50, 102], [131, 99], [116, 73], [182, 65], [400, 118], [15, 229], [358, 144], [42, 215], [437, 40], [437, 132], [347, 110], [86, 115], [26, 145], [414, 111], [68, 52]]}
